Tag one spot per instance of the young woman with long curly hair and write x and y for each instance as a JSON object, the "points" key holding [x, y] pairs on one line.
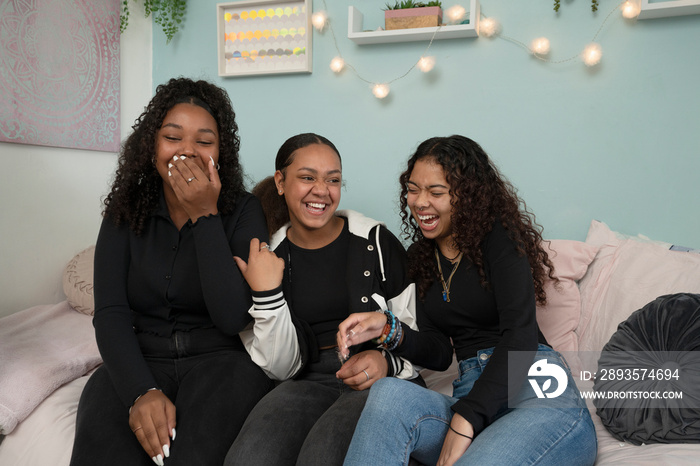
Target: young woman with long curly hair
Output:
{"points": [[170, 300], [479, 265]]}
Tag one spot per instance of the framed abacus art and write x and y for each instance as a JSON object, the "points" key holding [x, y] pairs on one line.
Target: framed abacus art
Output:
{"points": [[264, 37]]}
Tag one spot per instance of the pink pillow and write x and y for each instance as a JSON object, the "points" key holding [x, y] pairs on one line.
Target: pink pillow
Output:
{"points": [[628, 273], [560, 316]]}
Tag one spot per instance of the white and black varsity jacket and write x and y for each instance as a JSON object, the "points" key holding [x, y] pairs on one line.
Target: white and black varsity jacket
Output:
{"points": [[282, 344]]}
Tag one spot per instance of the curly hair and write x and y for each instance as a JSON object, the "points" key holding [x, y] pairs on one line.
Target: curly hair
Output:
{"points": [[136, 188], [273, 204], [480, 196]]}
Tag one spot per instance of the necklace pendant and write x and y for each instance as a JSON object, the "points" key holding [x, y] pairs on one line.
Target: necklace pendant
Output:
{"points": [[446, 296]]}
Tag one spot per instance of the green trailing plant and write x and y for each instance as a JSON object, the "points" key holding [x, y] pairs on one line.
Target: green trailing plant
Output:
{"points": [[168, 14], [594, 5], [405, 4]]}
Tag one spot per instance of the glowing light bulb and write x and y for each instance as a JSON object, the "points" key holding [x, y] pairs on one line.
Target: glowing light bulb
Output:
{"points": [[540, 46], [426, 64], [592, 54], [337, 64], [631, 9], [456, 14], [488, 27], [380, 90], [319, 20]]}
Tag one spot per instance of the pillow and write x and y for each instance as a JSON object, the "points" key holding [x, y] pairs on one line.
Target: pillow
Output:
{"points": [[560, 316], [661, 339], [625, 275], [78, 281]]}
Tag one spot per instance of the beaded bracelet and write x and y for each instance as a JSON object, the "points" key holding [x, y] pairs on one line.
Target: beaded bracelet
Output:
{"points": [[385, 340], [385, 333], [391, 346], [392, 332], [389, 328]]}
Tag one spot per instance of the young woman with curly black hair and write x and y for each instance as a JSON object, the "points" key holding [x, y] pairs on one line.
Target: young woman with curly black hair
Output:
{"points": [[170, 300], [479, 265]]}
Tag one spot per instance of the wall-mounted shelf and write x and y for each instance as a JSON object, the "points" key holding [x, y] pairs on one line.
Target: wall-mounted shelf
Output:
{"points": [[652, 10], [360, 37]]}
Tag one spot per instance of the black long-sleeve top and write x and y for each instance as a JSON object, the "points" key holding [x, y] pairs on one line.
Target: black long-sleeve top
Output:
{"points": [[167, 280], [476, 318]]}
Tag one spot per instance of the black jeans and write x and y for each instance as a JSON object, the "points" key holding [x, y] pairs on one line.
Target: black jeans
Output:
{"points": [[307, 421], [207, 375]]}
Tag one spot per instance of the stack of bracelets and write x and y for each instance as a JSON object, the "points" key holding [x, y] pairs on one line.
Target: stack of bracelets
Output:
{"points": [[391, 335]]}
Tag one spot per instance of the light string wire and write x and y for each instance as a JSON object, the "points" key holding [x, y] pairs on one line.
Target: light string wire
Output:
{"points": [[498, 34], [354, 70], [556, 62]]}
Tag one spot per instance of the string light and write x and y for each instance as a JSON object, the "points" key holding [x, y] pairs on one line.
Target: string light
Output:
{"points": [[592, 54], [337, 64], [380, 90], [488, 27], [631, 9], [425, 64], [456, 14], [319, 20], [540, 46]]}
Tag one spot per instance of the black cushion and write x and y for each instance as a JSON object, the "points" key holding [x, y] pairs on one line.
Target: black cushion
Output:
{"points": [[659, 345]]}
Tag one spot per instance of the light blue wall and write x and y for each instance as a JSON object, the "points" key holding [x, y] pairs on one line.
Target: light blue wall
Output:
{"points": [[618, 143]]}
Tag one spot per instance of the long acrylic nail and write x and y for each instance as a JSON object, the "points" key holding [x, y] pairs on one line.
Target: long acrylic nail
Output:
{"points": [[212, 160], [169, 174], [159, 460], [166, 451], [183, 157], [173, 436], [155, 460], [174, 157]]}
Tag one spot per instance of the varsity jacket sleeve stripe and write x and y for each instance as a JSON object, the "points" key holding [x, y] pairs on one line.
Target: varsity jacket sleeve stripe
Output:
{"points": [[271, 339]]}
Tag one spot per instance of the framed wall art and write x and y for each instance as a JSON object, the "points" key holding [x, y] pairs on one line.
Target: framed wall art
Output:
{"points": [[259, 37], [59, 74]]}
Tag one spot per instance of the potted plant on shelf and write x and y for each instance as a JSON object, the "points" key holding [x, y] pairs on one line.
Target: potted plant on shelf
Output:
{"points": [[411, 14]]}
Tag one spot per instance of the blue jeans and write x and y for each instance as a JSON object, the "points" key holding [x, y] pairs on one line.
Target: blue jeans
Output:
{"points": [[402, 420]]}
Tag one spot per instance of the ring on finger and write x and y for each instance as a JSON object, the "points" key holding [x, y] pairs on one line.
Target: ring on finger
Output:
{"points": [[367, 374], [189, 180], [265, 246], [139, 427]]}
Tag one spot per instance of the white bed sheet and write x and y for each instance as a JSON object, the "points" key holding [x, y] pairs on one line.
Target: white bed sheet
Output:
{"points": [[46, 435]]}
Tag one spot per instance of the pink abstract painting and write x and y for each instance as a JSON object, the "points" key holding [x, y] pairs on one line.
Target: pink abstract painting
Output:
{"points": [[59, 73]]}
